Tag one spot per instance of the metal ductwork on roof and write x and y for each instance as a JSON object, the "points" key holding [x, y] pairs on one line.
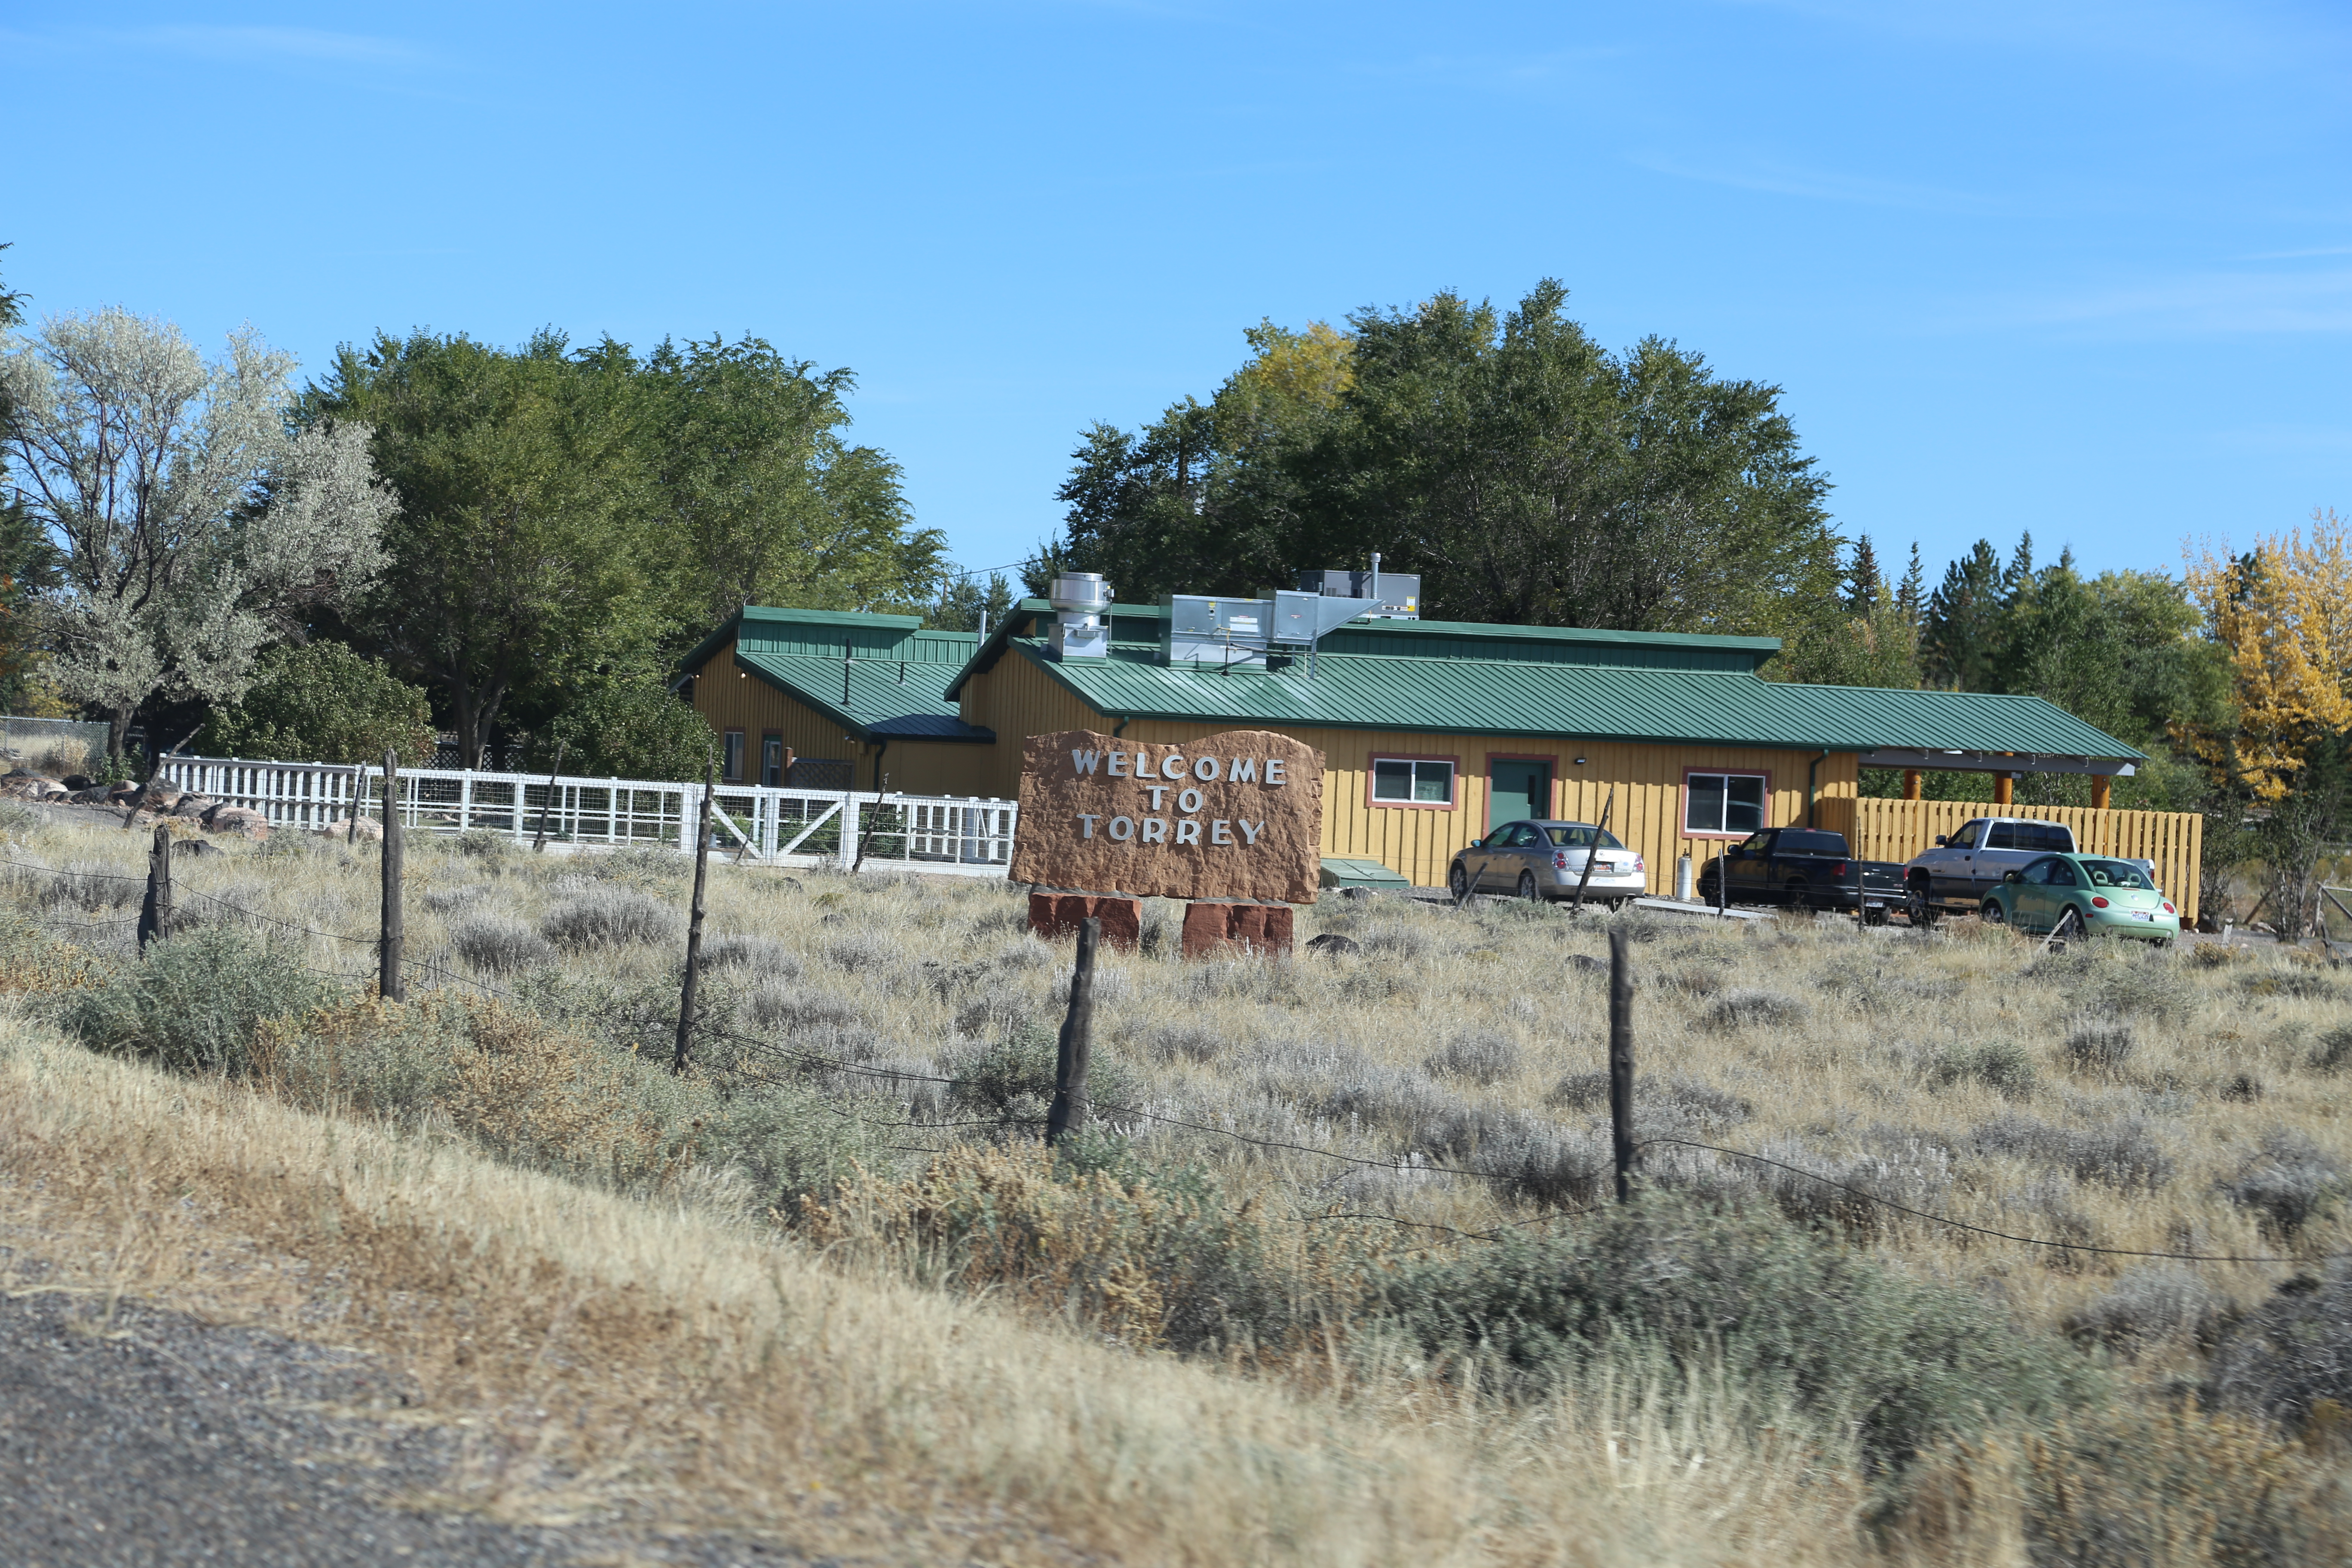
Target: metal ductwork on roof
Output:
{"points": [[1211, 629], [1393, 596], [1081, 601]]}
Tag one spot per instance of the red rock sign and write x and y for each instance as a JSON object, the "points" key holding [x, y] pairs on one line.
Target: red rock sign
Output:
{"points": [[1233, 816]]}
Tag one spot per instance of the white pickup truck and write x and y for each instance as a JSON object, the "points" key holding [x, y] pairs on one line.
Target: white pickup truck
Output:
{"points": [[1954, 875]]}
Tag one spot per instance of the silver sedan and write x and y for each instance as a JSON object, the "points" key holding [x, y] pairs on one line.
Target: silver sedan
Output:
{"points": [[1545, 859]]}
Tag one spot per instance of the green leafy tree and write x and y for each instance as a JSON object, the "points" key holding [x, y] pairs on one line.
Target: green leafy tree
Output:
{"points": [[1527, 474], [965, 601], [321, 702], [195, 524], [759, 497], [521, 559], [1861, 637], [631, 726], [2124, 650]]}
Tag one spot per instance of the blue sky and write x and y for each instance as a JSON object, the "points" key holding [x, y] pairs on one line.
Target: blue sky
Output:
{"points": [[2084, 269]]}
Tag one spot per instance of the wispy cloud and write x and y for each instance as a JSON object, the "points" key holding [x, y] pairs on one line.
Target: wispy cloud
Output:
{"points": [[2298, 255], [2192, 304], [265, 43], [1776, 178], [2210, 35]]}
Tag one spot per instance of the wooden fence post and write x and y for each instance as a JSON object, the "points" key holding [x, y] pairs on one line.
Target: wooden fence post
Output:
{"points": [[694, 922], [1592, 851], [391, 934], [155, 909], [1069, 1110], [1620, 1061]]}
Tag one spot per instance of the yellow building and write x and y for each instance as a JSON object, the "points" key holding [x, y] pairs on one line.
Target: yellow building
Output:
{"points": [[836, 700], [1431, 732]]}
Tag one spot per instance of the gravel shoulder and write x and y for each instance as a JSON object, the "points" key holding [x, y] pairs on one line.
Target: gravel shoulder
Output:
{"points": [[131, 1435]]}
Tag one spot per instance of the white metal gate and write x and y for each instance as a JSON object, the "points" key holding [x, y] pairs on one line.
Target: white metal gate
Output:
{"points": [[966, 835]]}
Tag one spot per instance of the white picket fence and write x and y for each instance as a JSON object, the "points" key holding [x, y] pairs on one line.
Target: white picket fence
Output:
{"points": [[961, 836]]}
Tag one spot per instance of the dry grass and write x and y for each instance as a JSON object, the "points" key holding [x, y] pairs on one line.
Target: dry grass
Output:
{"points": [[2105, 1099]]}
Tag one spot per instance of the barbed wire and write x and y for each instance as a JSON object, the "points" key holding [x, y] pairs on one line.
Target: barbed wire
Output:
{"points": [[900, 1075]]}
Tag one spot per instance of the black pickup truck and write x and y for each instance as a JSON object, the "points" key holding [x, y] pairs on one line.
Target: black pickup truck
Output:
{"points": [[1804, 869]]}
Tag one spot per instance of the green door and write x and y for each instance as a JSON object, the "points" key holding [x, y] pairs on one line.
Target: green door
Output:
{"points": [[1516, 790]]}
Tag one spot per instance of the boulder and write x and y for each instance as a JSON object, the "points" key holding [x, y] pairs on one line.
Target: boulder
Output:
{"points": [[97, 795], [193, 805], [370, 832], [1056, 915], [28, 786], [1332, 942], [78, 781], [242, 821], [155, 795], [1211, 928]]}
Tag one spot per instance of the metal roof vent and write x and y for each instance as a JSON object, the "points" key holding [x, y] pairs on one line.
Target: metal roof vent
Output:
{"points": [[1081, 601]]}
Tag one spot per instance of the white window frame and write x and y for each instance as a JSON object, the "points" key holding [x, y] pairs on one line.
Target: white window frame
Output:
{"points": [[1763, 807]]}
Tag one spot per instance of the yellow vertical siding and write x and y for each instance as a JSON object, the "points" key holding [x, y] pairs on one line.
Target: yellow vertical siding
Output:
{"points": [[1016, 700]]}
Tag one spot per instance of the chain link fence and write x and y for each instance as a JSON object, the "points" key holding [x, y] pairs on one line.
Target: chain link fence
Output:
{"points": [[54, 747]]}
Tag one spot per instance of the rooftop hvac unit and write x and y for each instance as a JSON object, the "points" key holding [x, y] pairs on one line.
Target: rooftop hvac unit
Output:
{"points": [[1395, 595], [1081, 629], [1203, 629]]}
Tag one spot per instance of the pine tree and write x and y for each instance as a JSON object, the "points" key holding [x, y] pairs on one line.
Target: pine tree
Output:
{"points": [[1911, 599], [1865, 587], [2018, 578], [1959, 643]]}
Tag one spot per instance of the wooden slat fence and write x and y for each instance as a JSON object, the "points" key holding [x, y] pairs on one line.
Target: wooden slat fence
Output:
{"points": [[2175, 840]]}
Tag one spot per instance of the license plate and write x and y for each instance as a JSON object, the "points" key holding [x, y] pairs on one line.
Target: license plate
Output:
{"points": [[2142, 915]]}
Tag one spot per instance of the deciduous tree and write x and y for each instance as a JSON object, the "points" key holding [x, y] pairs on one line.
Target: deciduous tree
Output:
{"points": [[1527, 474], [194, 523], [519, 559], [321, 703]]}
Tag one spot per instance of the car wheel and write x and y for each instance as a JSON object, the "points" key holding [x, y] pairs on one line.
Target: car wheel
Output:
{"points": [[1922, 912], [1528, 889], [1991, 913], [1457, 882], [1798, 894]]}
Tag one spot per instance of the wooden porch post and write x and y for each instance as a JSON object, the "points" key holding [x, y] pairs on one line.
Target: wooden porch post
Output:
{"points": [[1910, 783], [2099, 783], [2004, 789]]}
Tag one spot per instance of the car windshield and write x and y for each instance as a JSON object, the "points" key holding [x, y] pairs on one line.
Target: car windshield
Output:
{"points": [[1576, 836], [2118, 874]]}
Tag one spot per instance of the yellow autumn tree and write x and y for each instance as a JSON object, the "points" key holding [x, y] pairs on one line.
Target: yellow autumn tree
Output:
{"points": [[2283, 612]]}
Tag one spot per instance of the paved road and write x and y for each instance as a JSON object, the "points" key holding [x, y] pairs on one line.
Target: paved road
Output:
{"points": [[153, 1438]]}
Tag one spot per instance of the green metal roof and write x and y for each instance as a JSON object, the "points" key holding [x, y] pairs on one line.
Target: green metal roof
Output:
{"points": [[877, 675], [1137, 628], [1515, 697], [826, 632]]}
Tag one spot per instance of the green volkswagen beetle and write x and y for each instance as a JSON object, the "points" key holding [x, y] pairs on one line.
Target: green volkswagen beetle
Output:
{"points": [[2112, 898]]}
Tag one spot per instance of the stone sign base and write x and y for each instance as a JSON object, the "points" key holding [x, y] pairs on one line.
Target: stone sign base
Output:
{"points": [[1211, 928], [1056, 915]]}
